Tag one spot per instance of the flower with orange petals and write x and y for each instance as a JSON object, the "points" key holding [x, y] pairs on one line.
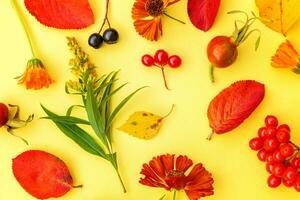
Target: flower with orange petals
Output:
{"points": [[167, 172], [35, 75], [287, 57], [147, 16]]}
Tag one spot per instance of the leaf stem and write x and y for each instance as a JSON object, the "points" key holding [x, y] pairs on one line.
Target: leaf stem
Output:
{"points": [[168, 114], [17, 9], [178, 20]]}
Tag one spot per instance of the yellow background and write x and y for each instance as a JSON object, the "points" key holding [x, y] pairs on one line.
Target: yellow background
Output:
{"points": [[237, 172]]}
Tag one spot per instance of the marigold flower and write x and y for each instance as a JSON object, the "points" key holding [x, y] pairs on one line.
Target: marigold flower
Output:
{"points": [[286, 56], [147, 16], [167, 172], [35, 75]]}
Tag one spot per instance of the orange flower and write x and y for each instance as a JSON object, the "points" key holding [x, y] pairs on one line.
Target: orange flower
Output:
{"points": [[167, 172], [35, 75], [147, 16], [286, 56]]}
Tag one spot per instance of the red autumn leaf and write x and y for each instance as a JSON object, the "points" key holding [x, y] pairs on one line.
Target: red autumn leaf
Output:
{"points": [[234, 104], [61, 14], [203, 13]]}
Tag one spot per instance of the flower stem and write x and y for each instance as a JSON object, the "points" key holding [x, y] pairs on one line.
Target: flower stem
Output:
{"points": [[121, 181], [211, 74], [105, 17], [174, 195], [164, 77], [17, 9], [178, 20]]}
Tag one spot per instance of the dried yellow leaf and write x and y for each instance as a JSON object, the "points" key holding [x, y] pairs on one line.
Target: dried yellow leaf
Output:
{"points": [[279, 15]]}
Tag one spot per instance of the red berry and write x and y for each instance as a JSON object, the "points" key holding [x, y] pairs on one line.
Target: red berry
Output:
{"points": [[277, 157], [256, 144], [270, 167], [271, 132], [297, 184], [284, 127], [271, 121], [270, 159], [174, 61], [161, 57], [3, 114], [283, 136], [271, 144], [274, 181], [262, 155], [290, 173], [296, 163], [262, 133], [288, 183], [286, 150], [148, 60], [278, 169]]}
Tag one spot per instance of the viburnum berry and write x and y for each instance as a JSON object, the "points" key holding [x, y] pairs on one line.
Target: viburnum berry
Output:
{"points": [[278, 169], [274, 181], [148, 60], [262, 133], [271, 144], [286, 150], [297, 184], [284, 127], [290, 173], [270, 132], [277, 157], [296, 163], [270, 167], [174, 61], [256, 144], [271, 121], [270, 159], [262, 155], [288, 183], [283, 136], [161, 57]]}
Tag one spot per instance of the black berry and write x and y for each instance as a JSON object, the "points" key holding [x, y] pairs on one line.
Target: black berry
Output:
{"points": [[95, 40], [110, 36]]}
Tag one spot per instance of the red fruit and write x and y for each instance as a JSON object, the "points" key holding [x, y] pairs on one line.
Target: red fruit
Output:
{"points": [[288, 183], [290, 173], [271, 144], [234, 104], [274, 181], [148, 60], [262, 132], [296, 163], [62, 14], [161, 57], [270, 159], [284, 127], [222, 51], [270, 167], [278, 169], [41, 174], [283, 136], [271, 132], [271, 121], [286, 150], [3, 114], [174, 61], [262, 155], [277, 157], [297, 184], [256, 144]]}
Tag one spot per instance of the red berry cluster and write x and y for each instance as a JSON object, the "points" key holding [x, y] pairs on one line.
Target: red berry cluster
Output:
{"points": [[160, 60], [280, 154]]}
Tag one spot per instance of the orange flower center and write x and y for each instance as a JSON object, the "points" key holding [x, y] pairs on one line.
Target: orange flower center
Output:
{"points": [[154, 7]]}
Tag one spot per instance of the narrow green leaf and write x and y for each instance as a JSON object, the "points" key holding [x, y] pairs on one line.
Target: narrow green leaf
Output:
{"points": [[94, 115], [79, 136], [257, 43], [121, 105], [70, 109], [161, 198], [67, 120]]}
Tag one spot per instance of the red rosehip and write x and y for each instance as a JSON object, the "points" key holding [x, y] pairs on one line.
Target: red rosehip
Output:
{"points": [[283, 136], [174, 61], [262, 132], [262, 155], [274, 181], [277, 157], [296, 163], [3, 114], [161, 57], [271, 144], [271, 132], [290, 173], [278, 169], [256, 144], [271, 121], [148, 60], [286, 150]]}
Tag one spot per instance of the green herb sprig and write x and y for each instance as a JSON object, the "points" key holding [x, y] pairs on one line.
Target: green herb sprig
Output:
{"points": [[96, 94]]}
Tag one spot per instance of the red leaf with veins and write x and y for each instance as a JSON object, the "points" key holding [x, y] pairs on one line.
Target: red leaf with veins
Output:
{"points": [[203, 13], [234, 104]]}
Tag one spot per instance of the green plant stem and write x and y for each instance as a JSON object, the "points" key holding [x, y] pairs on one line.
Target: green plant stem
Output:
{"points": [[211, 73], [17, 9], [174, 195], [114, 162], [166, 14]]}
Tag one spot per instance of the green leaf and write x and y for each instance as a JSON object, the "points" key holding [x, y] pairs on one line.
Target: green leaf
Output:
{"points": [[257, 43], [94, 115], [70, 109], [161, 198], [67, 120], [121, 105], [78, 135]]}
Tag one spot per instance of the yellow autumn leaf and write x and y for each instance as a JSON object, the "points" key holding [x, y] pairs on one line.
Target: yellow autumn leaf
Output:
{"points": [[279, 15]]}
